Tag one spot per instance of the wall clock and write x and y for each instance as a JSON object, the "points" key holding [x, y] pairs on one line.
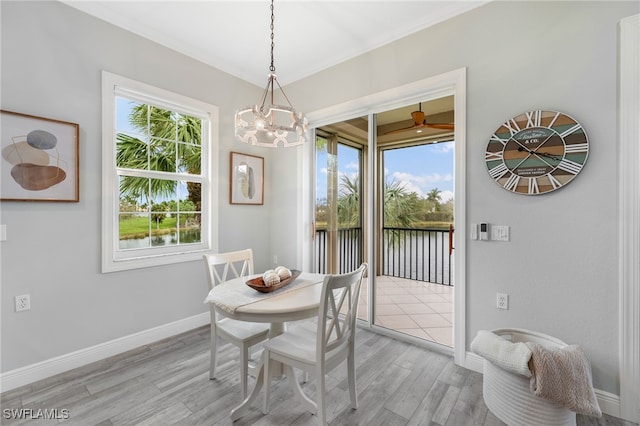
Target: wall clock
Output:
{"points": [[537, 152]]}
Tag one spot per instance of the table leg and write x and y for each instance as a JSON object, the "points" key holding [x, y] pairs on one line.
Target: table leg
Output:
{"points": [[243, 408], [308, 403]]}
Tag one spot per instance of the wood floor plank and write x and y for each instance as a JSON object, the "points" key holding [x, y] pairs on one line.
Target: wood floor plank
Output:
{"points": [[373, 396], [446, 405], [470, 408], [411, 394], [385, 417], [167, 383], [427, 408]]}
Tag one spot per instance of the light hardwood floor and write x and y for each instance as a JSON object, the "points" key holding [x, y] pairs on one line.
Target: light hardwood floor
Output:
{"points": [[167, 383]]}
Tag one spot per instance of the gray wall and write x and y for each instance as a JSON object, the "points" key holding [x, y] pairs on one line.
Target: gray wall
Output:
{"points": [[560, 267], [52, 57]]}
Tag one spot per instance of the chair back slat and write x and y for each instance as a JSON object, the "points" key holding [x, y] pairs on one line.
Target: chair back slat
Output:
{"points": [[222, 267], [338, 311]]}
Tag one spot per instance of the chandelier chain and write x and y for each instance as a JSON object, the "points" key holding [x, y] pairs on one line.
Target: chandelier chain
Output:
{"points": [[271, 125], [272, 68]]}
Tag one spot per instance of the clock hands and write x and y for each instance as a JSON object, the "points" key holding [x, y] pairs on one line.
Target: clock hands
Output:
{"points": [[544, 154], [523, 148]]}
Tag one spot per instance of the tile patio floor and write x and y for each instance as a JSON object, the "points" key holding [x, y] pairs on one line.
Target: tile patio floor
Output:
{"points": [[417, 308]]}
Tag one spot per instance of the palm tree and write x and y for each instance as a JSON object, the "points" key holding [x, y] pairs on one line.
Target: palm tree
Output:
{"points": [[401, 207], [174, 145], [349, 202], [433, 197]]}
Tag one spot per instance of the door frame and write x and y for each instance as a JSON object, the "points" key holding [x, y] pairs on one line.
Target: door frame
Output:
{"points": [[629, 217], [450, 83]]}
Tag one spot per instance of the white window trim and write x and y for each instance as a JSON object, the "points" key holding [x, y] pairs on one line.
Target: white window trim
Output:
{"points": [[114, 85]]}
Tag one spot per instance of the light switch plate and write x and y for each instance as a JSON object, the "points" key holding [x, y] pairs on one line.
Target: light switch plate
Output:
{"points": [[500, 233], [3, 232]]}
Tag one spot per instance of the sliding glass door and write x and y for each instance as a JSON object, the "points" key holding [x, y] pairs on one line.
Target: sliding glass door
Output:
{"points": [[339, 233], [410, 287]]}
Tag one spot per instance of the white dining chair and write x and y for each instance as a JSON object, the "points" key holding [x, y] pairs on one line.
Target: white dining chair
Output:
{"points": [[319, 348], [220, 268]]}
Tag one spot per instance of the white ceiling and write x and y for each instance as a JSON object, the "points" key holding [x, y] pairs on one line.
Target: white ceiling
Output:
{"points": [[310, 35]]}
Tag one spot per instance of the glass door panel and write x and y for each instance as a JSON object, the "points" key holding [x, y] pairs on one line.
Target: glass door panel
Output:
{"points": [[339, 225], [414, 294]]}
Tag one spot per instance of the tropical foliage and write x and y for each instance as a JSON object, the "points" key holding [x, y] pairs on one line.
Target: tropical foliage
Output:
{"points": [[164, 141], [173, 145], [402, 208]]}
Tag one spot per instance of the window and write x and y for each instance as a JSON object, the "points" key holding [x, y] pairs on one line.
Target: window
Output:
{"points": [[158, 148]]}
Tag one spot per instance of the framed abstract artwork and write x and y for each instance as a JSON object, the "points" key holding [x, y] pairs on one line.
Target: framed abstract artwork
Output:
{"points": [[40, 160], [247, 179]]}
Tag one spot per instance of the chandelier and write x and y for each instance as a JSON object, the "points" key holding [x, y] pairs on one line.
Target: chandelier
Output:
{"points": [[268, 124]]}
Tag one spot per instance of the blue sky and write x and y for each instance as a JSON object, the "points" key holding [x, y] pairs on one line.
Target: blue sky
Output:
{"points": [[420, 169]]}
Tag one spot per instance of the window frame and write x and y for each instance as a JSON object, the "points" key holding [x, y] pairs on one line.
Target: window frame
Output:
{"points": [[114, 259]]}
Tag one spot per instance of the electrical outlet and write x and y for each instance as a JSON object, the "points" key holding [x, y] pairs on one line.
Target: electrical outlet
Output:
{"points": [[23, 303], [502, 301], [275, 259]]}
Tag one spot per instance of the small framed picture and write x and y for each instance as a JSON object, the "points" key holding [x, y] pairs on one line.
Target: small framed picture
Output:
{"points": [[40, 160], [247, 179]]}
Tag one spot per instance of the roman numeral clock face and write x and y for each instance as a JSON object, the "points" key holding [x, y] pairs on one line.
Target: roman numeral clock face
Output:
{"points": [[537, 152]]}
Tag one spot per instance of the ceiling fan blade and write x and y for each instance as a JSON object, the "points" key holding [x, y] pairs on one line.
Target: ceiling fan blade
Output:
{"points": [[404, 129], [443, 126]]}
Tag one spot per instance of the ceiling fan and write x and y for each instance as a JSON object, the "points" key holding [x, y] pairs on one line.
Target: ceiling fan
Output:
{"points": [[419, 122]]}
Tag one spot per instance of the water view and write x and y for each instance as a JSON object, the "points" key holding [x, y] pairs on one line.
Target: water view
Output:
{"points": [[185, 236]]}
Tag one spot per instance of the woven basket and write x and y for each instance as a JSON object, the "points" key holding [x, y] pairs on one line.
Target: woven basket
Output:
{"points": [[508, 395]]}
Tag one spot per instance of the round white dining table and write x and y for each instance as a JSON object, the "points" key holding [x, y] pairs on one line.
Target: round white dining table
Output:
{"points": [[299, 300]]}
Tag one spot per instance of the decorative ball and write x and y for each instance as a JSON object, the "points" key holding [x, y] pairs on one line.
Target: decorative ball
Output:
{"points": [[270, 278], [283, 272]]}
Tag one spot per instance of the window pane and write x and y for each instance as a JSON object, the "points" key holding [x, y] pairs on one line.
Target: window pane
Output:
{"points": [[189, 158], [134, 230], [131, 117], [133, 190], [189, 139], [162, 123], [162, 155], [131, 152], [189, 214], [133, 223], [189, 129]]}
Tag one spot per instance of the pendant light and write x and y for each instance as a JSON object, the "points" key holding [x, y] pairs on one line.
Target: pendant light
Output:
{"points": [[268, 124]]}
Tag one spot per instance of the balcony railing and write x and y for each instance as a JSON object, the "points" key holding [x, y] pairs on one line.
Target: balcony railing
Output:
{"points": [[417, 254], [349, 250]]}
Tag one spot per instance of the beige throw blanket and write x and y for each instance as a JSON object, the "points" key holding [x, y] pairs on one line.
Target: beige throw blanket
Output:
{"points": [[563, 375]]}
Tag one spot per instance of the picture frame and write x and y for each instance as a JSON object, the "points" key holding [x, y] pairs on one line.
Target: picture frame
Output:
{"points": [[40, 158], [246, 179]]}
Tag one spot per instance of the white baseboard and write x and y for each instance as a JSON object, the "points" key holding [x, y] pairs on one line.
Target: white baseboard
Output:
{"points": [[474, 362], [609, 403], [48, 368]]}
